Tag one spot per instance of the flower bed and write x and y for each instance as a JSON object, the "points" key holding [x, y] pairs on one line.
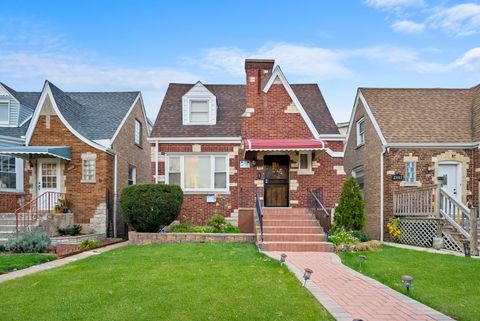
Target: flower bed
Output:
{"points": [[137, 238]]}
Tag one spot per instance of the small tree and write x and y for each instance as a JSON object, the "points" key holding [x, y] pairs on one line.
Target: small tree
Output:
{"points": [[150, 207], [350, 212]]}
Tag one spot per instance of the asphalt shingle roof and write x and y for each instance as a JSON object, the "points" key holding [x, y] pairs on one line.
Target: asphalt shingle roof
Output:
{"points": [[428, 115], [231, 102]]}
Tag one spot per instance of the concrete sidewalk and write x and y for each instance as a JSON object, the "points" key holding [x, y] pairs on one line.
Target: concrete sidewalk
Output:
{"points": [[59, 262], [350, 295]]}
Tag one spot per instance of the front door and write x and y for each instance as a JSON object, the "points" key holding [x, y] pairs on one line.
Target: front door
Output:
{"points": [[48, 180], [454, 180], [276, 184]]}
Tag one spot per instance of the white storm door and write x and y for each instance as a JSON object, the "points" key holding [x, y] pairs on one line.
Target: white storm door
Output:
{"points": [[454, 185], [48, 180]]}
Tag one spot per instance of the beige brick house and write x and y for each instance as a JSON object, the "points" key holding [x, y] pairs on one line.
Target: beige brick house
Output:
{"points": [[82, 146], [401, 140]]}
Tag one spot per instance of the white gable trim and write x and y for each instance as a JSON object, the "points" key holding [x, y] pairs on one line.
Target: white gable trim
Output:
{"points": [[199, 92], [333, 154], [370, 115], [139, 98], [277, 72], [47, 92]]}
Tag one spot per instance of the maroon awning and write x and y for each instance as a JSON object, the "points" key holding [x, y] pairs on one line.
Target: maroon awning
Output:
{"points": [[283, 144]]}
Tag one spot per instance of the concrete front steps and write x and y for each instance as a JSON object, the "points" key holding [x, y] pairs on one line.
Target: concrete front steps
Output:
{"points": [[8, 226], [292, 230]]}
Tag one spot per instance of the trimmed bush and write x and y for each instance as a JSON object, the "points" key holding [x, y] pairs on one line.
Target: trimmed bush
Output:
{"points": [[28, 242], [350, 212], [150, 207], [361, 236], [88, 244], [70, 230]]}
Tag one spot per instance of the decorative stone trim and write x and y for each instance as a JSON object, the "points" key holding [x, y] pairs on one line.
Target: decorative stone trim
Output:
{"points": [[291, 109], [340, 170], [410, 158], [136, 238], [463, 160], [293, 184], [259, 182], [248, 112], [196, 148], [293, 202], [390, 172]]}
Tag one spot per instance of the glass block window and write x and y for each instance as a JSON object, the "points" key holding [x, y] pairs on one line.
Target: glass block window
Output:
{"points": [[410, 172], [88, 170]]}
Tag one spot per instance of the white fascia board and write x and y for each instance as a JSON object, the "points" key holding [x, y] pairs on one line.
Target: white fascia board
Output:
{"points": [[103, 142], [27, 119], [48, 92], [433, 145], [332, 137], [361, 98], [204, 140], [128, 114], [14, 140], [278, 72]]}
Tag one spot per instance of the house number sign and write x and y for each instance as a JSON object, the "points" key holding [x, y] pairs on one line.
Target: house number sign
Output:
{"points": [[397, 177]]}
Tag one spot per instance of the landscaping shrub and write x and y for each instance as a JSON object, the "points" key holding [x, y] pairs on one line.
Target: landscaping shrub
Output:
{"points": [[342, 237], [150, 207], [182, 228], [219, 225], [350, 212], [70, 230], [366, 246], [361, 236], [89, 244], [2, 248], [28, 242]]}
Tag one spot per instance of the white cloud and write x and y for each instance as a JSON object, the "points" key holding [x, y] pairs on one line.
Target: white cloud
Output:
{"points": [[394, 4], [408, 26], [470, 60], [460, 20], [72, 74], [305, 61]]}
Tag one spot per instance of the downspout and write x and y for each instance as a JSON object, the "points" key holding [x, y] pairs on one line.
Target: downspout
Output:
{"points": [[115, 189], [381, 192], [156, 162]]}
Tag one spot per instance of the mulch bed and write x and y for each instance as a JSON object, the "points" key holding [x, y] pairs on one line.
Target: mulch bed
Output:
{"points": [[64, 250]]}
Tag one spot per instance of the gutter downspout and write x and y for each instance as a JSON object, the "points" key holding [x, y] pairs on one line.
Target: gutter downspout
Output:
{"points": [[381, 192], [115, 190], [156, 162]]}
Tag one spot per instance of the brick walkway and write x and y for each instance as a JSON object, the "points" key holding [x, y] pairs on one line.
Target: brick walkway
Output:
{"points": [[349, 295]]}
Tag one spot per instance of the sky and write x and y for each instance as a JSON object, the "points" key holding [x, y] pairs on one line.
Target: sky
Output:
{"points": [[144, 45]]}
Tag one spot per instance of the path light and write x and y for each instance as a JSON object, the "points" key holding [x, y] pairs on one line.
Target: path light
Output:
{"points": [[361, 259], [407, 282], [466, 248], [306, 275], [283, 258]]}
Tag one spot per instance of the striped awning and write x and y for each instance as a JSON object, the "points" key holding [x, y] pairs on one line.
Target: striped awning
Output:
{"points": [[62, 152], [283, 144]]}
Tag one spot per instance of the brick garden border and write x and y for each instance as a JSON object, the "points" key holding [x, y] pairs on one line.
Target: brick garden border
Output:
{"points": [[137, 238]]}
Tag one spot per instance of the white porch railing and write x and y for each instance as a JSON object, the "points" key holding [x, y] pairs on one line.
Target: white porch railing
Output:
{"points": [[418, 201], [455, 213]]}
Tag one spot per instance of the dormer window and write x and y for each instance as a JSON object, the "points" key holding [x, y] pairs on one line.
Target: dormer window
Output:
{"points": [[4, 106], [199, 106]]}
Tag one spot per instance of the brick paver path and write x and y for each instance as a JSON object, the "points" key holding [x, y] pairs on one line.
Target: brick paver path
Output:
{"points": [[349, 295]]}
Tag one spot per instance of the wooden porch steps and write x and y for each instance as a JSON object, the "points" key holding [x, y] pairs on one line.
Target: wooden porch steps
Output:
{"points": [[294, 230]]}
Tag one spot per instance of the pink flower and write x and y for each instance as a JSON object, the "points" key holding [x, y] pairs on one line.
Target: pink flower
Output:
{"points": [[216, 195], [229, 207], [217, 205]]}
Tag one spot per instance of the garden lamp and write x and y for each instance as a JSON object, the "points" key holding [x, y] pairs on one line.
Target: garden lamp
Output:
{"points": [[283, 258], [361, 259], [466, 248], [306, 275], [407, 281]]}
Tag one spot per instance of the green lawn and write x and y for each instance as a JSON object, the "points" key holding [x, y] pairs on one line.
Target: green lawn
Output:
{"points": [[163, 282], [447, 283], [11, 262]]}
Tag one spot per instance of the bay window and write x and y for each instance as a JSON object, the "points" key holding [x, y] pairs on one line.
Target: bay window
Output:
{"points": [[198, 172]]}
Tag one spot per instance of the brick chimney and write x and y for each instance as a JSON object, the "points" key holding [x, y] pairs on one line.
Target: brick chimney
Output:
{"points": [[257, 71]]}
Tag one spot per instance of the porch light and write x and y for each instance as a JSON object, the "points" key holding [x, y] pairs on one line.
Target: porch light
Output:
{"points": [[283, 258], [466, 248], [407, 281], [361, 259], [306, 275]]}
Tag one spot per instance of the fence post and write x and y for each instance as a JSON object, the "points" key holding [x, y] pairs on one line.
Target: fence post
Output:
{"points": [[437, 210]]}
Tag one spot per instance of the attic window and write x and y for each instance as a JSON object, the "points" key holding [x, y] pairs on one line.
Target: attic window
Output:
{"points": [[199, 111], [4, 105], [199, 106]]}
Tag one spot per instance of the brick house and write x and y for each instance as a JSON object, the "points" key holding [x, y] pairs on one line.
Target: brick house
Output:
{"points": [[82, 146], [268, 136], [400, 142]]}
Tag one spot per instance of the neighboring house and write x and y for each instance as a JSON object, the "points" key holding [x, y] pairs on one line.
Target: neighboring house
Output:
{"points": [[268, 136], [343, 128], [401, 140], [82, 146]]}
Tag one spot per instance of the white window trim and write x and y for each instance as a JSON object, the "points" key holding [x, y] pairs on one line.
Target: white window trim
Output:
{"points": [[212, 174], [139, 143], [89, 157], [305, 171], [406, 183], [211, 106], [6, 122], [361, 120], [18, 177], [134, 174]]}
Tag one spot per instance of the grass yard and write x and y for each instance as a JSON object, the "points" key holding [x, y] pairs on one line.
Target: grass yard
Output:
{"points": [[163, 282], [447, 283], [12, 262]]}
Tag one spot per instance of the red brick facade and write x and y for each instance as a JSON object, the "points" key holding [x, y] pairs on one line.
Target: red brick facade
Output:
{"points": [[270, 115]]}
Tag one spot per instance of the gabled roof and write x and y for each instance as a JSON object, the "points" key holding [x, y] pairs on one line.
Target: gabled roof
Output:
{"points": [[421, 115], [231, 102], [95, 115], [26, 98]]}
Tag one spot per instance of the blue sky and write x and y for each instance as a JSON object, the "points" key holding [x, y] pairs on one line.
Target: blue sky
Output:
{"points": [[144, 45]]}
